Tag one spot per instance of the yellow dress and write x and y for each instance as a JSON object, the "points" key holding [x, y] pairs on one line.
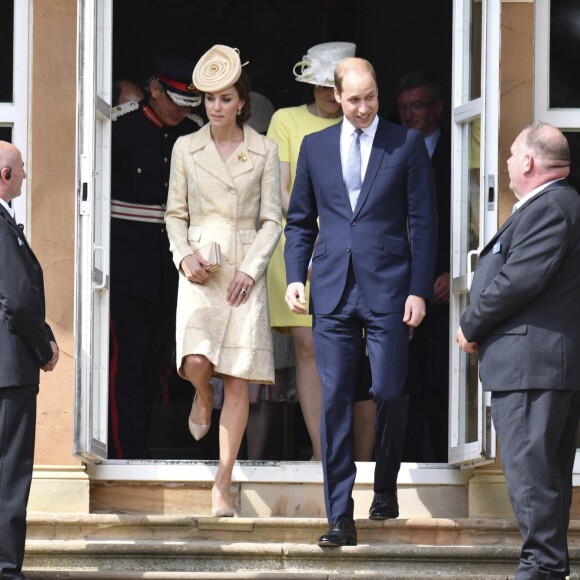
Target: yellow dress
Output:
{"points": [[288, 127]]}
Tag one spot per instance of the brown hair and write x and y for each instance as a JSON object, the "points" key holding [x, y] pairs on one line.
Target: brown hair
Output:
{"points": [[352, 63], [243, 86]]}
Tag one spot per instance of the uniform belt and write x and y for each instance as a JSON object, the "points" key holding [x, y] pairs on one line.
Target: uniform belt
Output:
{"points": [[137, 212]]}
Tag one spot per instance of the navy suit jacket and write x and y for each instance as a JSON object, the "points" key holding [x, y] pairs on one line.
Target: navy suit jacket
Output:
{"points": [[24, 335], [524, 309], [391, 236]]}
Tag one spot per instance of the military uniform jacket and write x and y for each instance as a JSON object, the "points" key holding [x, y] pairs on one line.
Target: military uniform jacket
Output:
{"points": [[141, 264], [24, 335]]}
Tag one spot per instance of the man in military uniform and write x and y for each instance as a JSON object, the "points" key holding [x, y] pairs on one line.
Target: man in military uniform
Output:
{"points": [[143, 276]]}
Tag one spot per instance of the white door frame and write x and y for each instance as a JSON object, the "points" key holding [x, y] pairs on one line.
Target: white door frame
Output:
{"points": [[91, 359], [466, 111], [92, 268]]}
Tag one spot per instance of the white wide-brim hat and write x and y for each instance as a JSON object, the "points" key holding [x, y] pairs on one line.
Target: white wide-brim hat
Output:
{"points": [[219, 68], [318, 64]]}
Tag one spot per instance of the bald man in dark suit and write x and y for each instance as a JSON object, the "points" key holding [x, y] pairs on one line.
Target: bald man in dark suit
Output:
{"points": [[524, 322], [27, 345]]}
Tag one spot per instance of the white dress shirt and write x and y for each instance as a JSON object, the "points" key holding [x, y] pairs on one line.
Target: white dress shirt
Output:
{"points": [[531, 194], [10, 210], [431, 141]]}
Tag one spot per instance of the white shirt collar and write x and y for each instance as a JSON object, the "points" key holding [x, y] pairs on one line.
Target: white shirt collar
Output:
{"points": [[348, 128], [8, 208], [431, 141], [535, 191]]}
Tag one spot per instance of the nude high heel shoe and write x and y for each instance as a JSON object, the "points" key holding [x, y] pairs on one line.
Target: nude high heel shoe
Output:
{"points": [[221, 507], [198, 430]]}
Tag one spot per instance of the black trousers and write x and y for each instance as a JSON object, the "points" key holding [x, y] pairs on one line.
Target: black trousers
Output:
{"points": [[17, 432], [428, 387], [142, 342], [537, 432]]}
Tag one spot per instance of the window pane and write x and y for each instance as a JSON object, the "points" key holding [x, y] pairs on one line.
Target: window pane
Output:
{"points": [[7, 51], [468, 391], [564, 54], [470, 179], [6, 134], [475, 68], [574, 141]]}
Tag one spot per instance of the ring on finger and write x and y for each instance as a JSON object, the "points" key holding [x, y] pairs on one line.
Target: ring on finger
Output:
{"points": [[243, 292]]}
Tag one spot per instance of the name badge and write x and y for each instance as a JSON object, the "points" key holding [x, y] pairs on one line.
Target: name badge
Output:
{"points": [[497, 248]]}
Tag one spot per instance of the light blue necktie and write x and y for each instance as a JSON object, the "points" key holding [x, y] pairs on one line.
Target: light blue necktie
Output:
{"points": [[353, 169]]}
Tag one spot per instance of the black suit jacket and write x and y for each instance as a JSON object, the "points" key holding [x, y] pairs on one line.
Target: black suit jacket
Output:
{"points": [[24, 335], [524, 309]]}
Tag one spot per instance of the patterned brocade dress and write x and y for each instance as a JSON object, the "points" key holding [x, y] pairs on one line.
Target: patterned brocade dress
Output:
{"points": [[237, 204]]}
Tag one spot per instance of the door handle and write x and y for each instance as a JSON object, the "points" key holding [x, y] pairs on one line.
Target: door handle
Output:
{"points": [[469, 269]]}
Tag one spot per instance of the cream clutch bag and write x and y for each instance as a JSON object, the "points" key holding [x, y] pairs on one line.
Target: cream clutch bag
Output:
{"points": [[211, 253]]}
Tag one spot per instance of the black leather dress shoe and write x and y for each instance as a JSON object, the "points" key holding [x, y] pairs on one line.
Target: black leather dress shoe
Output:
{"points": [[341, 533], [385, 506]]}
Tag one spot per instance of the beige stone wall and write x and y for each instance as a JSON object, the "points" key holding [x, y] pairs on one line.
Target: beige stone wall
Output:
{"points": [[51, 167], [516, 87]]}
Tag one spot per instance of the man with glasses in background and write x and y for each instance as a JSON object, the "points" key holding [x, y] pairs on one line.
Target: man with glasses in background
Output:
{"points": [[420, 105]]}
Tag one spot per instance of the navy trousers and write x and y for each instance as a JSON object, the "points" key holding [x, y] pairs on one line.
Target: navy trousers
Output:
{"points": [[17, 432], [337, 347]]}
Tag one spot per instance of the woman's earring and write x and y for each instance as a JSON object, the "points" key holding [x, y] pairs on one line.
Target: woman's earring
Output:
{"points": [[239, 112]]}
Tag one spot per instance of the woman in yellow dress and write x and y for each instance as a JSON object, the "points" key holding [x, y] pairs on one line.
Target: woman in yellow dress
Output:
{"points": [[225, 178], [288, 127]]}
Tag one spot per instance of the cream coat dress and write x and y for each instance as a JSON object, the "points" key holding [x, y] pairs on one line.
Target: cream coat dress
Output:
{"points": [[225, 202]]}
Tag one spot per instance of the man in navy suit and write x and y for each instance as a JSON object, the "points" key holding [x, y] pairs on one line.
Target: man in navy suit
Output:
{"points": [[369, 183], [27, 345], [523, 320]]}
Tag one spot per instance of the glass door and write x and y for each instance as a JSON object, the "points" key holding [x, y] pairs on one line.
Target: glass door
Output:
{"points": [[92, 229], [475, 119]]}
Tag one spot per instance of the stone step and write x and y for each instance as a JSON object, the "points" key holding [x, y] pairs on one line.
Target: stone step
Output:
{"points": [[107, 546], [417, 531], [364, 560], [128, 575]]}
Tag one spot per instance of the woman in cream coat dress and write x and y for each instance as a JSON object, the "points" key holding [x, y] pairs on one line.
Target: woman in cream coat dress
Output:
{"points": [[224, 181]]}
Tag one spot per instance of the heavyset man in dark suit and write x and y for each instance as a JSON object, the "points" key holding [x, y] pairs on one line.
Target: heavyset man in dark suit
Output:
{"points": [[27, 345], [524, 322], [372, 269], [420, 106]]}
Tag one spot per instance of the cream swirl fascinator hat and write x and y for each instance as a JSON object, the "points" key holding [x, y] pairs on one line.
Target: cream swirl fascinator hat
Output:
{"points": [[219, 68], [318, 64]]}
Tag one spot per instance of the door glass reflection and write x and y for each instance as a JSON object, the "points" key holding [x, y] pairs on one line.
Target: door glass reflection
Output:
{"points": [[564, 54], [468, 391], [7, 52], [475, 50]]}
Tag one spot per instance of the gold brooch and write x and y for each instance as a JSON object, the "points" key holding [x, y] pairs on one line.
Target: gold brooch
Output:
{"points": [[242, 156]]}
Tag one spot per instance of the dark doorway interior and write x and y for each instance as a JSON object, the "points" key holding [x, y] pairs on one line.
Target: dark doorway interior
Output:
{"points": [[397, 37], [273, 35]]}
